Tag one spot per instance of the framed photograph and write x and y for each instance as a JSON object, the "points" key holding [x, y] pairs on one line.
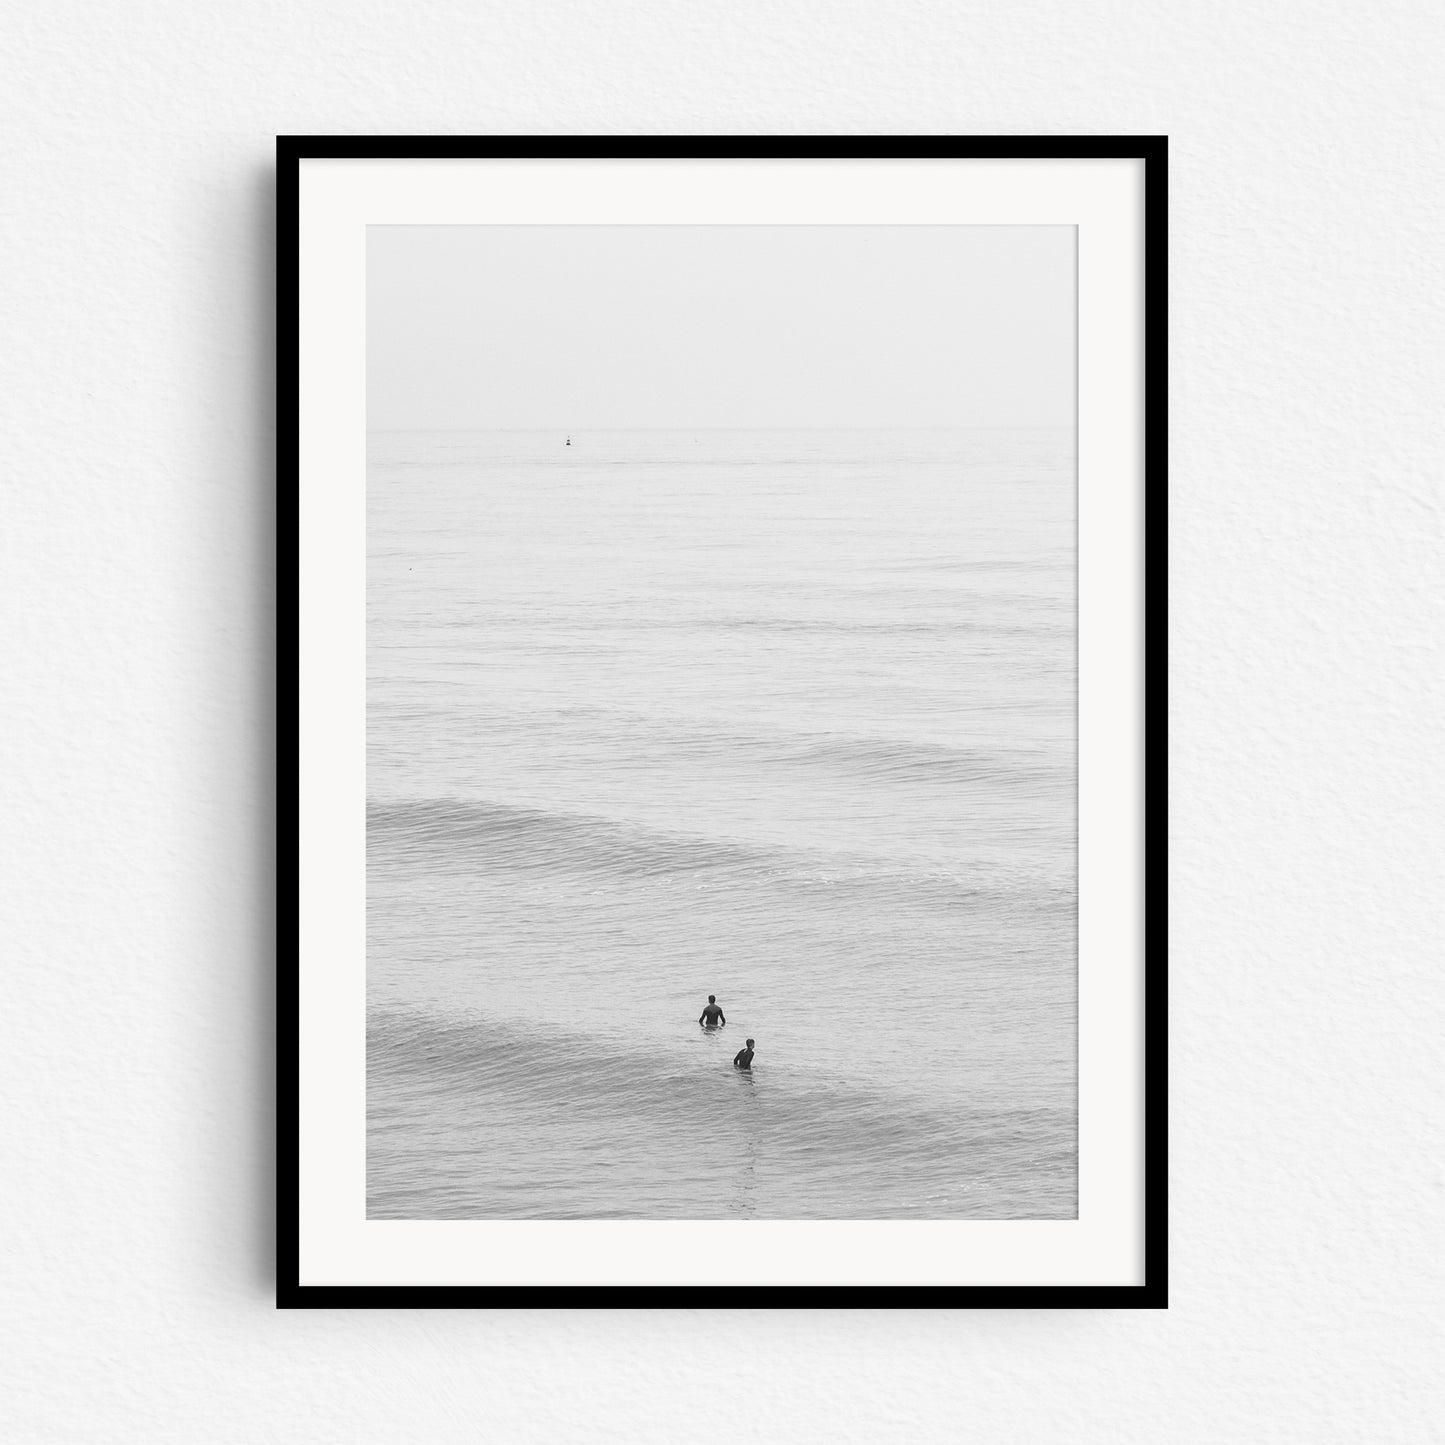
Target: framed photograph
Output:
{"points": [[715, 577]]}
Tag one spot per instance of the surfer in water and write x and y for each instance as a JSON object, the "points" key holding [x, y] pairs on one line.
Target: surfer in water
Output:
{"points": [[743, 1059], [712, 1016]]}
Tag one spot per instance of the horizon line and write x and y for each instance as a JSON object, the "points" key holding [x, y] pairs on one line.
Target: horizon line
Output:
{"points": [[1018, 426]]}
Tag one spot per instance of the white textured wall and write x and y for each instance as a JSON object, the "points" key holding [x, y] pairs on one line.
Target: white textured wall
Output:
{"points": [[1308, 1029]]}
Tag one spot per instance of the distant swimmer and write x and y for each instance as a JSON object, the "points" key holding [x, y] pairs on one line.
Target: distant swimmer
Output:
{"points": [[712, 1016], [743, 1059]]}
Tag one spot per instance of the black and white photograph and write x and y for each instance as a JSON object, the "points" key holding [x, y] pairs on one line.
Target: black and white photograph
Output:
{"points": [[724, 724], [721, 740]]}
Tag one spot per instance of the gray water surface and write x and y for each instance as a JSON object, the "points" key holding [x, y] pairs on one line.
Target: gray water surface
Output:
{"points": [[787, 717]]}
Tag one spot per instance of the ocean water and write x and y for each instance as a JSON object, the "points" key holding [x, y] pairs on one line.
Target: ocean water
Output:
{"points": [[785, 717]]}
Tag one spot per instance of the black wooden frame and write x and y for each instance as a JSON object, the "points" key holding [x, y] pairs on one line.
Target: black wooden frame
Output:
{"points": [[1153, 151]]}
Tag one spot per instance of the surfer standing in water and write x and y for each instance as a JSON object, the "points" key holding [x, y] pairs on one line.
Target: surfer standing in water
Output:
{"points": [[743, 1059], [712, 1016]]}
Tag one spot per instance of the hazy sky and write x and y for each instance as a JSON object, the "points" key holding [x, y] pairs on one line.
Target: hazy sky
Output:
{"points": [[720, 326]]}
